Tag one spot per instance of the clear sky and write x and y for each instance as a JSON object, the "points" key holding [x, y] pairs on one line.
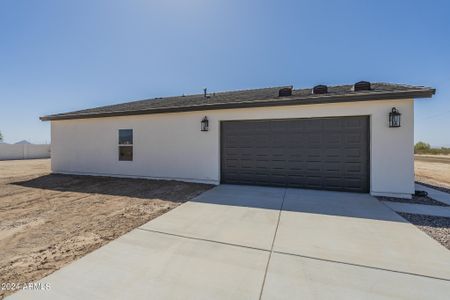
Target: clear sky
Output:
{"points": [[58, 56]]}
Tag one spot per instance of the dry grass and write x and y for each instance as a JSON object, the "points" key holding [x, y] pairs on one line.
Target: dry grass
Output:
{"points": [[47, 221], [434, 170]]}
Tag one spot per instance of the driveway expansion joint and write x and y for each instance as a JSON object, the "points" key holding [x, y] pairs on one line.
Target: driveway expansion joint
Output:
{"points": [[203, 240], [273, 243], [360, 266]]}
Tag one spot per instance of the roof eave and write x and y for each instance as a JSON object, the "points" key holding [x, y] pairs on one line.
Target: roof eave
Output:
{"points": [[322, 99]]}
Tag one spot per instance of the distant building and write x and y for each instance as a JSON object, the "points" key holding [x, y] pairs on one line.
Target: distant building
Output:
{"points": [[23, 142]]}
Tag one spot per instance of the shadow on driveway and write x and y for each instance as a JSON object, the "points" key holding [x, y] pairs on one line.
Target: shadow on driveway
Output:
{"points": [[331, 203]]}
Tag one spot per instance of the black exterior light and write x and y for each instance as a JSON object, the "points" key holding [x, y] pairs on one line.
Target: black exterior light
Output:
{"points": [[394, 118], [204, 124]]}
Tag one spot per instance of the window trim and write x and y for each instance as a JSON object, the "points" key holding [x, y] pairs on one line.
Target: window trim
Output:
{"points": [[125, 145], [132, 137]]}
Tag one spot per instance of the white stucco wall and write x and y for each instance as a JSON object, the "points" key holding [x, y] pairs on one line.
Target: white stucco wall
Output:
{"points": [[171, 145], [24, 151]]}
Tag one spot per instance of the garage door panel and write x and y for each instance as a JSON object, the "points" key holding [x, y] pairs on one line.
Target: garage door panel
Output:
{"points": [[322, 153], [353, 184], [313, 124], [333, 182], [352, 167], [332, 124], [331, 151], [353, 123], [352, 139], [352, 153], [296, 166], [333, 140], [332, 167], [297, 136], [295, 154]]}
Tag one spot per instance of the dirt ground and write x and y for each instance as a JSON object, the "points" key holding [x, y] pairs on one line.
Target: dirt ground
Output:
{"points": [[433, 169], [47, 220], [14, 170]]}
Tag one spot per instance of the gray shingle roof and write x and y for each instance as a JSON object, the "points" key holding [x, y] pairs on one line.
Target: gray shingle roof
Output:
{"points": [[249, 98]]}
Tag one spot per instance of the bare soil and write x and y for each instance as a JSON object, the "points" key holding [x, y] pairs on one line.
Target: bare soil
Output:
{"points": [[433, 170], [49, 220], [15, 170]]}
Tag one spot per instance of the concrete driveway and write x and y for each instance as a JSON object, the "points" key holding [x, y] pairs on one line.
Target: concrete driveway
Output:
{"points": [[243, 242]]}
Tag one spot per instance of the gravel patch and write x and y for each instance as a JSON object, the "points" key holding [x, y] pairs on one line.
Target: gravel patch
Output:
{"points": [[436, 227], [415, 200], [439, 188]]}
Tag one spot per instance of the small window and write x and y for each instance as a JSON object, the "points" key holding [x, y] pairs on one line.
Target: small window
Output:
{"points": [[125, 136], [126, 153], [126, 144]]}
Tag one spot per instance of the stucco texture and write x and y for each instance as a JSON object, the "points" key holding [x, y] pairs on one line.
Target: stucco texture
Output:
{"points": [[171, 145]]}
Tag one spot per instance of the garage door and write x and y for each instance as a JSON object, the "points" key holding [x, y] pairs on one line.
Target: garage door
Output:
{"points": [[317, 153]]}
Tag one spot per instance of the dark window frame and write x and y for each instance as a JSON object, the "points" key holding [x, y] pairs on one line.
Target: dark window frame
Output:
{"points": [[125, 144]]}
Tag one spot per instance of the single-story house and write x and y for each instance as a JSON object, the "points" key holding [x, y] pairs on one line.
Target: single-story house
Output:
{"points": [[354, 138]]}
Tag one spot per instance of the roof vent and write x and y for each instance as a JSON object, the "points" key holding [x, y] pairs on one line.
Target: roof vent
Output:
{"points": [[320, 89], [284, 92], [361, 86]]}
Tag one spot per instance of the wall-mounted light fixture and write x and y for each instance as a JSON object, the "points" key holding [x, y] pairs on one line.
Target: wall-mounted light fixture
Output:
{"points": [[204, 124], [394, 118]]}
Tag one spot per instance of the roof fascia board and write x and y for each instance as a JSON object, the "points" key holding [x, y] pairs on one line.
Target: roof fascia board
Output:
{"points": [[287, 101]]}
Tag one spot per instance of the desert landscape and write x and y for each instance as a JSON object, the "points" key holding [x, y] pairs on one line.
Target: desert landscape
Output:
{"points": [[433, 170], [49, 220]]}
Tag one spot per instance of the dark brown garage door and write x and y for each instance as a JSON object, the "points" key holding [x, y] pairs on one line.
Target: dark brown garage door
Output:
{"points": [[318, 153]]}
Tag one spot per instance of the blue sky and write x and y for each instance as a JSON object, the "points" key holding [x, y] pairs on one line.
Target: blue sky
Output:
{"points": [[58, 56]]}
